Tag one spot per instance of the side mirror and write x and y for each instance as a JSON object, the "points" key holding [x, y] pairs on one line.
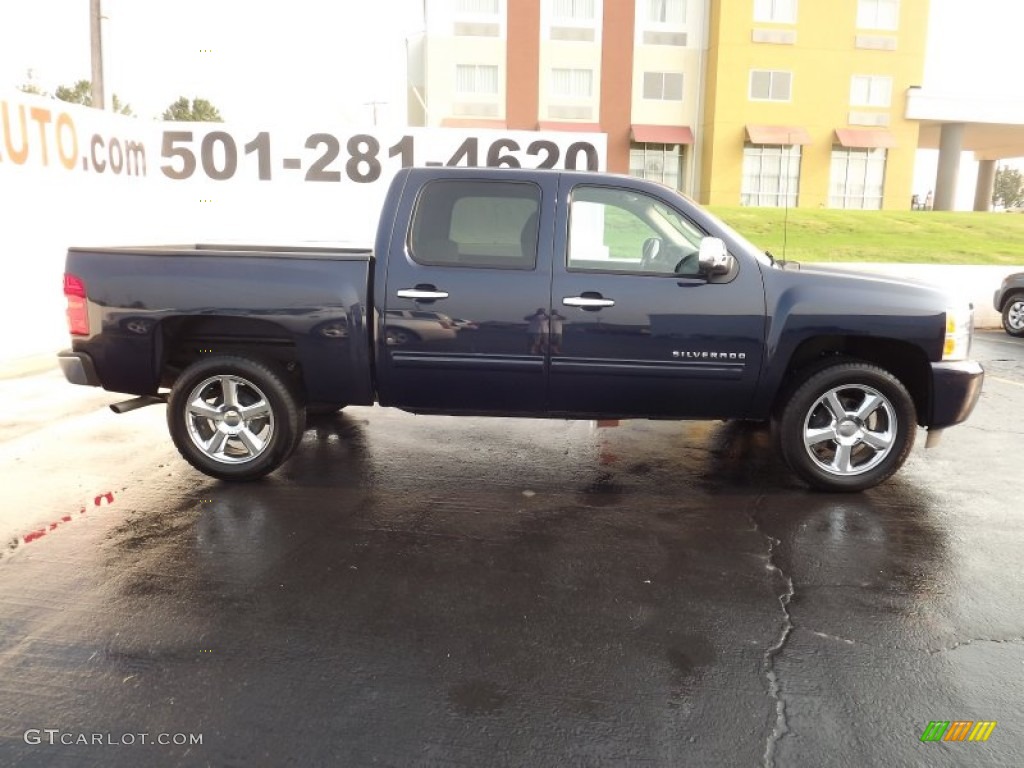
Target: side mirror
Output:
{"points": [[713, 257]]}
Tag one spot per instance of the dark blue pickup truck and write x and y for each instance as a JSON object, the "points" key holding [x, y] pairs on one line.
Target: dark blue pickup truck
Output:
{"points": [[521, 293]]}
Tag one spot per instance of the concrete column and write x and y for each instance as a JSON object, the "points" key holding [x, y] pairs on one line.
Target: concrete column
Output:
{"points": [[951, 143], [986, 185]]}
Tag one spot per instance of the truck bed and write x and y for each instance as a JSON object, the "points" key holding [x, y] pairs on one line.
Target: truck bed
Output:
{"points": [[302, 251], [172, 304]]}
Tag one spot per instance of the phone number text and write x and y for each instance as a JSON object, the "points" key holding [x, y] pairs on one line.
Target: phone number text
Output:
{"points": [[361, 161]]}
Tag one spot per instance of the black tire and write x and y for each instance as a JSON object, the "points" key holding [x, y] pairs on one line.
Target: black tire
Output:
{"points": [[858, 449], [249, 447], [1013, 314]]}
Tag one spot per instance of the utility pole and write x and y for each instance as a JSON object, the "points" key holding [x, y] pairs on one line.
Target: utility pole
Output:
{"points": [[96, 48], [374, 104]]}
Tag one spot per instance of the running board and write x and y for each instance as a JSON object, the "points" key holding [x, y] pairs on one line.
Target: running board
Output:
{"points": [[137, 402]]}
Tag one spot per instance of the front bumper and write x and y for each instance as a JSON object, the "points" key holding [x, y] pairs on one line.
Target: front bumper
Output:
{"points": [[956, 388], [78, 368]]}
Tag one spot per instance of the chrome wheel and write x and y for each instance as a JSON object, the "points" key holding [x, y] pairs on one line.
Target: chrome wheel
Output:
{"points": [[229, 419], [850, 430], [1013, 316]]}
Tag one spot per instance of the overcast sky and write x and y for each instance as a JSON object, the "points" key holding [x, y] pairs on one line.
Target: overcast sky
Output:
{"points": [[254, 59]]}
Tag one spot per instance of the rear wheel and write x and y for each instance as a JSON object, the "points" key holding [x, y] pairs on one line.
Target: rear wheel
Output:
{"points": [[1013, 315], [847, 427], [233, 418]]}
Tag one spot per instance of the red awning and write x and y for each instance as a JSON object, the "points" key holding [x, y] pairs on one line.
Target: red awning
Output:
{"points": [[472, 122], [575, 127], [865, 138], [662, 134], [777, 134]]}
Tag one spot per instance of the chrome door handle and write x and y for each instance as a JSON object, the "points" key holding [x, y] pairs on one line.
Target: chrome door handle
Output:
{"points": [[587, 302], [416, 293]]}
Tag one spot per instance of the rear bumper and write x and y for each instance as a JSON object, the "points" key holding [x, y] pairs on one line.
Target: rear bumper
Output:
{"points": [[78, 368], [956, 388]]}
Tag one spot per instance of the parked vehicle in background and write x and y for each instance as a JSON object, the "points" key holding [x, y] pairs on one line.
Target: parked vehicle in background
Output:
{"points": [[410, 326], [592, 296], [1009, 302]]}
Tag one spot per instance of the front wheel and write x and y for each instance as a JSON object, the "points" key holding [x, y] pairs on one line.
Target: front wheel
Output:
{"points": [[233, 418], [1013, 315], [847, 428]]}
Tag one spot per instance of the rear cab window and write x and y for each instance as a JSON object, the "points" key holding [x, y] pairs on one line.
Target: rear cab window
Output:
{"points": [[482, 224]]}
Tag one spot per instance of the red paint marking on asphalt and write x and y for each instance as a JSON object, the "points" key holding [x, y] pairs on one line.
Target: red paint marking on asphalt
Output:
{"points": [[28, 538]]}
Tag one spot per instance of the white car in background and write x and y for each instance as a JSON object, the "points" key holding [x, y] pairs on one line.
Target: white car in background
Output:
{"points": [[1009, 301]]}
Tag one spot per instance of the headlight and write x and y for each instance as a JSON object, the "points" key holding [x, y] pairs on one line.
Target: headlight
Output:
{"points": [[959, 329]]}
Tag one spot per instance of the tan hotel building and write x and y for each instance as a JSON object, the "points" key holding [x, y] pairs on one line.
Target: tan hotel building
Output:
{"points": [[752, 102]]}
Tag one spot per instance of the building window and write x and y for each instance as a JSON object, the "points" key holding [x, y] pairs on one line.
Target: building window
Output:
{"points": [[573, 20], [573, 11], [477, 7], [663, 86], [657, 162], [878, 14], [770, 85], [771, 175], [478, 18], [572, 83], [870, 91], [857, 178], [775, 11], [476, 79], [669, 13]]}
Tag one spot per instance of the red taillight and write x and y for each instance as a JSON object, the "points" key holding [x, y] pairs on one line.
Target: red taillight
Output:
{"points": [[78, 309]]}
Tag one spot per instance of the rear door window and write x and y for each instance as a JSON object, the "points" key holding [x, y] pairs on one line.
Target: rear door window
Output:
{"points": [[484, 224]]}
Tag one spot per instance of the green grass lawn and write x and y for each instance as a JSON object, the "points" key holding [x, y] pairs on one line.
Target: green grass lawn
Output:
{"points": [[928, 237]]}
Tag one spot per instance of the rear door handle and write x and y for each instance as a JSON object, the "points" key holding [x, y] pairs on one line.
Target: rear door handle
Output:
{"points": [[421, 294], [587, 302]]}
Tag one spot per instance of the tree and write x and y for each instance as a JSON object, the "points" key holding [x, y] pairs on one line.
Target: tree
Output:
{"points": [[81, 93], [121, 109], [29, 86], [198, 111], [1009, 187]]}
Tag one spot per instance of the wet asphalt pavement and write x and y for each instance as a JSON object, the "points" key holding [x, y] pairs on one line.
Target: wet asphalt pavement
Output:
{"points": [[467, 592]]}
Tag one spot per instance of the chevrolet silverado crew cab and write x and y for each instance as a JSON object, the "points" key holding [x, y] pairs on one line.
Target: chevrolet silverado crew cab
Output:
{"points": [[579, 296]]}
